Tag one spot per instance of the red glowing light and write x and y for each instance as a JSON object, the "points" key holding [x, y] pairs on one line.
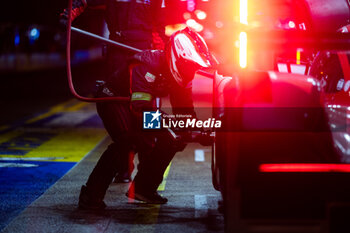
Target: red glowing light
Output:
{"points": [[304, 167]]}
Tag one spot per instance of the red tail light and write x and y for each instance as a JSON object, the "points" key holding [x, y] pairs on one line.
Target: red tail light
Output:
{"points": [[304, 167]]}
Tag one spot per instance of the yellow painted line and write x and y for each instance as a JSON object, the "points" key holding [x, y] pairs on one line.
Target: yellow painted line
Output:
{"points": [[67, 146], [8, 136], [71, 105], [165, 176], [77, 107], [146, 218], [53, 110], [3, 127]]}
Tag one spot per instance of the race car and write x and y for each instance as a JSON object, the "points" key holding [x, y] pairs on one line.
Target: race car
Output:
{"points": [[281, 158]]}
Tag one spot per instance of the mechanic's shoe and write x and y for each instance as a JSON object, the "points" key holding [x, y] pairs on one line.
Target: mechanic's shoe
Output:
{"points": [[122, 178], [87, 202], [150, 198]]}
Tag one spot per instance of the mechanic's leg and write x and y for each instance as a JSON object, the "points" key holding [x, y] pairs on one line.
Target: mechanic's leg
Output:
{"points": [[161, 156], [116, 121], [151, 169], [105, 170], [92, 194], [127, 167], [118, 82]]}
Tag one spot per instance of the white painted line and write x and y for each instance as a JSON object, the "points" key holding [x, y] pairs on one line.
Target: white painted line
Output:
{"points": [[199, 155], [200, 206], [18, 165]]}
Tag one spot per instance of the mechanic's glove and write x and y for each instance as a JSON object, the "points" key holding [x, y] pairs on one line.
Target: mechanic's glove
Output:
{"points": [[155, 59], [178, 140], [102, 90], [78, 7]]}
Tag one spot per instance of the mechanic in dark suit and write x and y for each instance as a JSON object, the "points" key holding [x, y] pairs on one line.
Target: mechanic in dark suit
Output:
{"points": [[138, 23], [161, 73], [150, 79]]}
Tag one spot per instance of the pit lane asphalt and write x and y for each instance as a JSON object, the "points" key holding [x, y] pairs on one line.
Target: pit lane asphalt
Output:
{"points": [[192, 203]]}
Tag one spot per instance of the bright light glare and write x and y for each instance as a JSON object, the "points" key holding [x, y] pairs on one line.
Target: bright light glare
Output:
{"points": [[207, 34], [34, 34], [347, 137], [243, 19], [243, 50], [201, 15], [291, 24], [187, 15], [191, 5], [219, 24], [191, 22], [17, 39], [194, 25], [170, 29], [243, 11]]}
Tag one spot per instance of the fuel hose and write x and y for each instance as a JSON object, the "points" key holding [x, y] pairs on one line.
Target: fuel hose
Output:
{"points": [[68, 59]]}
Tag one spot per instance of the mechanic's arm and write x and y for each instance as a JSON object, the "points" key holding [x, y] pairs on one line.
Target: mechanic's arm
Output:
{"points": [[141, 89], [141, 101], [145, 77]]}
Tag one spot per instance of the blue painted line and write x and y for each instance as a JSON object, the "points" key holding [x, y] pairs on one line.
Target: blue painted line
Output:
{"points": [[21, 122], [24, 143], [20, 186], [23, 181]]}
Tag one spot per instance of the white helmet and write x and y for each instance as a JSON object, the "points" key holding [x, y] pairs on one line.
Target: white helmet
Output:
{"points": [[345, 29], [187, 52]]}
